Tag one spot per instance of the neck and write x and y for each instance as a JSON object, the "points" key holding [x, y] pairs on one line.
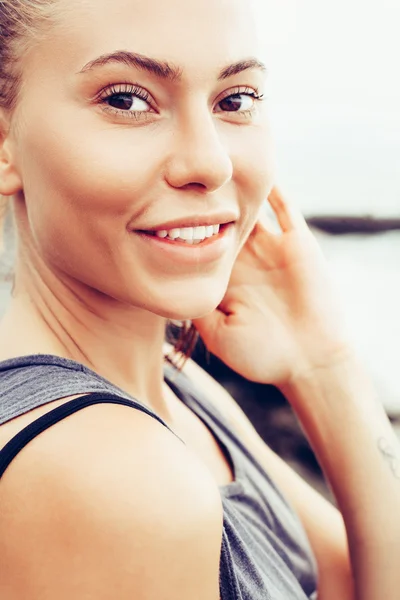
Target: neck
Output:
{"points": [[122, 343]]}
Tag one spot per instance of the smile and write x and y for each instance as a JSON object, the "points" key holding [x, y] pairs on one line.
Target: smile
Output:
{"points": [[188, 245], [188, 235]]}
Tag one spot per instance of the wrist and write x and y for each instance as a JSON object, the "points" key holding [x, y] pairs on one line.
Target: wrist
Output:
{"points": [[306, 370], [328, 384], [337, 405]]}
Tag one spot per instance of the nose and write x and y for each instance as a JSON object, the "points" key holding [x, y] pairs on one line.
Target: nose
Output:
{"points": [[198, 157]]}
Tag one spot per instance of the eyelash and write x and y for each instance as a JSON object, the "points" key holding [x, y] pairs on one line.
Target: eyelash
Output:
{"points": [[124, 89], [142, 94], [244, 91]]}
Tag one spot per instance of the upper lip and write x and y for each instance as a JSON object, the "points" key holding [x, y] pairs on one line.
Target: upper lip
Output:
{"points": [[195, 221]]}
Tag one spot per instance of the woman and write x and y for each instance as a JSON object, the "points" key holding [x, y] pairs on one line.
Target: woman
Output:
{"points": [[135, 153]]}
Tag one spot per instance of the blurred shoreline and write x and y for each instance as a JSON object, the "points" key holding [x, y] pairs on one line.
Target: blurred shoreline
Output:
{"points": [[345, 224]]}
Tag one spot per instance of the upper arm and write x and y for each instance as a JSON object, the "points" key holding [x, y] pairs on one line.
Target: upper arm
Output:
{"points": [[120, 509], [322, 522]]}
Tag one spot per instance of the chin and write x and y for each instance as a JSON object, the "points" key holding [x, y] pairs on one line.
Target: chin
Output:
{"points": [[187, 311], [189, 314], [193, 304]]}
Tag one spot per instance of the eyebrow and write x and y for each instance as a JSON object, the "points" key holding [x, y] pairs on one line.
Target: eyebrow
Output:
{"points": [[240, 66], [163, 69]]}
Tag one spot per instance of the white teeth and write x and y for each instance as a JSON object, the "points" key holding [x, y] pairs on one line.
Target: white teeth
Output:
{"points": [[174, 233], [191, 235], [209, 231], [186, 233], [199, 233]]}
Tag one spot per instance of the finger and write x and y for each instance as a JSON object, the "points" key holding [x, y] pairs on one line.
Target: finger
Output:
{"points": [[289, 217], [267, 220]]}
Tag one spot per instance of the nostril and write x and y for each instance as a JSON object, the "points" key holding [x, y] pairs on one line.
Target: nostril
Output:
{"points": [[194, 186]]}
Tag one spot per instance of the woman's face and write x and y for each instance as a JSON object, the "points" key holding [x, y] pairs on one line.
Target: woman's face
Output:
{"points": [[138, 117]]}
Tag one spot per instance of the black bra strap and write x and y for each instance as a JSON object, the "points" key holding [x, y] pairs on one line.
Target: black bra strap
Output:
{"points": [[21, 439]]}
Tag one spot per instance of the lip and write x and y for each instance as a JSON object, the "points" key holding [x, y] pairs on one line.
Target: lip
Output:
{"points": [[194, 221], [211, 250]]}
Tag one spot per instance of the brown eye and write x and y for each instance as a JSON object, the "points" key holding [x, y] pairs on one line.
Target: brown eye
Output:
{"points": [[121, 101], [127, 102], [237, 103]]}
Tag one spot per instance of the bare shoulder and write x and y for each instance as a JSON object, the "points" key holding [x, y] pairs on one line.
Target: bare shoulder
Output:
{"points": [[109, 504]]}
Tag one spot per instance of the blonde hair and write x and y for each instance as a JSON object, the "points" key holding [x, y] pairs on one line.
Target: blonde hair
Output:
{"points": [[20, 23]]}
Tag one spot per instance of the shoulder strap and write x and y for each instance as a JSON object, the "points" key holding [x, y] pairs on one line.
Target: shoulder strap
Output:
{"points": [[21, 439]]}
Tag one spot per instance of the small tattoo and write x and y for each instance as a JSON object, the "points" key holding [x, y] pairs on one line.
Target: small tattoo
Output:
{"points": [[390, 456]]}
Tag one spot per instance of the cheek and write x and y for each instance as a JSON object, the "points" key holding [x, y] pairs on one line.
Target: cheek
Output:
{"points": [[96, 171], [92, 184], [254, 172]]}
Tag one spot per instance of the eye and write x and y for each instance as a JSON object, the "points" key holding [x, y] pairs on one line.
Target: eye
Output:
{"points": [[126, 99], [239, 102], [127, 102]]}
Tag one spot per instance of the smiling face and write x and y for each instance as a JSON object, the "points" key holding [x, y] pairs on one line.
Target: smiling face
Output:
{"points": [[137, 121]]}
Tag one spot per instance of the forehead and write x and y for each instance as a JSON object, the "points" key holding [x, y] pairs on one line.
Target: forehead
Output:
{"points": [[196, 34]]}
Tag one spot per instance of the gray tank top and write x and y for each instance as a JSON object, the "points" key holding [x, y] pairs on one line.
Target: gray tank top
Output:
{"points": [[265, 553]]}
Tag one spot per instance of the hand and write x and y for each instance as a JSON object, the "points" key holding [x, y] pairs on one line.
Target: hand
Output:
{"points": [[279, 316]]}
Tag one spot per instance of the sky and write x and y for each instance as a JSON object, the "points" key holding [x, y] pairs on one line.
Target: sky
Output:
{"points": [[334, 102]]}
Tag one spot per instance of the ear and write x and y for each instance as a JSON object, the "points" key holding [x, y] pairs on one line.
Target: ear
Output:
{"points": [[10, 181]]}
